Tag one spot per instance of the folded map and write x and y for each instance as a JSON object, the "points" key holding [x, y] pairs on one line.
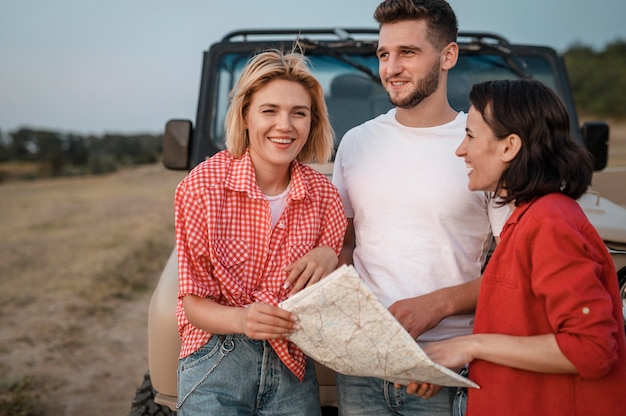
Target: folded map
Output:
{"points": [[344, 327]]}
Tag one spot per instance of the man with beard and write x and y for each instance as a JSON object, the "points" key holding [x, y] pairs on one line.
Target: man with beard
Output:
{"points": [[416, 235]]}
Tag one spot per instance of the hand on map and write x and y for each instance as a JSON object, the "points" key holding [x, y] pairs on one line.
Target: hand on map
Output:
{"points": [[264, 321], [453, 352], [411, 313], [310, 268]]}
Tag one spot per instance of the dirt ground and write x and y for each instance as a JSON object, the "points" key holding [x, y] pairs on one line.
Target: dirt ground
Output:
{"points": [[79, 260]]}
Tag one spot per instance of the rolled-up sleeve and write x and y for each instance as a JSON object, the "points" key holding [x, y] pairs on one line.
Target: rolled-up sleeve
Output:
{"points": [[569, 275]]}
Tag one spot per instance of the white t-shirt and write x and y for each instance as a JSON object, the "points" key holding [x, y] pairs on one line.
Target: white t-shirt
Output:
{"points": [[418, 227], [278, 204]]}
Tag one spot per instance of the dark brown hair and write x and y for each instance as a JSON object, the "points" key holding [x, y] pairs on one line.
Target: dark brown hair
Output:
{"points": [[549, 159], [442, 23]]}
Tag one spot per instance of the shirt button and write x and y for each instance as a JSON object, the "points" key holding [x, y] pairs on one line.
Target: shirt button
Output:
{"points": [[585, 311], [281, 225]]}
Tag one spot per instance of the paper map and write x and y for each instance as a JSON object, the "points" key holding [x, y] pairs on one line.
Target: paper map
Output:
{"points": [[344, 327]]}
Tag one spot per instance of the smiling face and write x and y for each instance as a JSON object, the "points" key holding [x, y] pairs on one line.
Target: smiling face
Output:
{"points": [[486, 156], [278, 121], [409, 64]]}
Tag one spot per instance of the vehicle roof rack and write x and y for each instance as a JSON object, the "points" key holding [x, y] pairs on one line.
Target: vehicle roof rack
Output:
{"points": [[332, 33], [348, 34], [339, 33], [484, 37]]}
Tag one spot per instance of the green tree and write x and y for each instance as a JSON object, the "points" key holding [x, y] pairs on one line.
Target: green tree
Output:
{"points": [[22, 145], [49, 150], [598, 79]]}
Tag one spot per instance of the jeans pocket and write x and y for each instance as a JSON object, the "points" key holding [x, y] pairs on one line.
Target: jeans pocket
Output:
{"points": [[197, 367], [206, 352]]}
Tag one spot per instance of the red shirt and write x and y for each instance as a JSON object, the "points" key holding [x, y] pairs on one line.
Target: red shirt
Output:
{"points": [[227, 249], [551, 273]]}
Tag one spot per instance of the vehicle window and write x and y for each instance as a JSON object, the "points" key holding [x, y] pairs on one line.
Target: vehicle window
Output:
{"points": [[354, 96]]}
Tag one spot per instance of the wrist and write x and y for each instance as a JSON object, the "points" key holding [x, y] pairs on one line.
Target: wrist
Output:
{"points": [[445, 303], [476, 346]]}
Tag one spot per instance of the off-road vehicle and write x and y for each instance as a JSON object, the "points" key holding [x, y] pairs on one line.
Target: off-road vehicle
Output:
{"points": [[344, 61]]}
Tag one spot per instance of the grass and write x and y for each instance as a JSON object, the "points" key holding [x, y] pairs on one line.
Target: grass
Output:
{"points": [[22, 398], [80, 257]]}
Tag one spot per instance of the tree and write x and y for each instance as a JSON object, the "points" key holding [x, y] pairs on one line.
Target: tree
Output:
{"points": [[598, 79]]}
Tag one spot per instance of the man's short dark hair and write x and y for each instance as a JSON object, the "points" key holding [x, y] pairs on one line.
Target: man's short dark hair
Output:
{"points": [[439, 16]]}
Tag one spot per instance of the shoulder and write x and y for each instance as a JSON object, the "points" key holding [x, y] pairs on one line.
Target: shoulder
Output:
{"points": [[555, 205], [384, 120], [367, 132], [315, 182], [312, 176], [208, 172], [556, 213]]}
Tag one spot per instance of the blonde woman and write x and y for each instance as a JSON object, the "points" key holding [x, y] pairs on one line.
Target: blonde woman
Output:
{"points": [[253, 226]]}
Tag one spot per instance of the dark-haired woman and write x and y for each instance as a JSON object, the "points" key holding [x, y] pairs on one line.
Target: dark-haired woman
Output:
{"points": [[548, 337]]}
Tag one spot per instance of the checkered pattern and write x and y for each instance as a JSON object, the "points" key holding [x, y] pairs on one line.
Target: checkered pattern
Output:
{"points": [[227, 249]]}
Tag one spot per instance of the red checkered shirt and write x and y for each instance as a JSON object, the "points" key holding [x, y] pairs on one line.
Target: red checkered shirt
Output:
{"points": [[227, 249]]}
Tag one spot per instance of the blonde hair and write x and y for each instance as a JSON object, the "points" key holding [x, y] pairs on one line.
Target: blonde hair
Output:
{"points": [[268, 66]]}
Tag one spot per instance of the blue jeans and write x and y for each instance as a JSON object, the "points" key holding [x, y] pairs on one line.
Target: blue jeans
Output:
{"points": [[459, 407], [234, 375], [367, 396], [460, 402]]}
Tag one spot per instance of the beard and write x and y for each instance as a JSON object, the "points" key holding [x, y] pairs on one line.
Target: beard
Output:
{"points": [[425, 87]]}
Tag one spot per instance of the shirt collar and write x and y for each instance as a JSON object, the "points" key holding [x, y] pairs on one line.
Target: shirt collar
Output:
{"points": [[516, 215], [241, 178]]}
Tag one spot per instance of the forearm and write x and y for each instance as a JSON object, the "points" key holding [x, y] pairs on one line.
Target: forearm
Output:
{"points": [[345, 256], [257, 320], [349, 242], [538, 353], [460, 299], [211, 316]]}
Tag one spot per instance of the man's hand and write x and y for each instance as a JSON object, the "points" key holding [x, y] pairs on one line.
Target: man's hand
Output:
{"points": [[418, 315], [423, 390], [310, 268]]}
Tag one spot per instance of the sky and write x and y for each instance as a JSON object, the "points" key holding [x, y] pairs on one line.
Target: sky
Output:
{"points": [[128, 66]]}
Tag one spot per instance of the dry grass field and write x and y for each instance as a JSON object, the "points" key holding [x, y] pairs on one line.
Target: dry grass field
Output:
{"points": [[79, 259]]}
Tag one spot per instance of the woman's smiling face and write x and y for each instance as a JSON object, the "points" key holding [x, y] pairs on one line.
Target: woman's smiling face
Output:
{"points": [[278, 122], [484, 154]]}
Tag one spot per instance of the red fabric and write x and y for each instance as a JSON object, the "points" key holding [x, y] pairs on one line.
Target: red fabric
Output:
{"points": [[227, 249], [551, 273]]}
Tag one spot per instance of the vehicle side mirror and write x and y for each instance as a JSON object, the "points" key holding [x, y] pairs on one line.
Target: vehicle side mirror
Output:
{"points": [[596, 137], [176, 144]]}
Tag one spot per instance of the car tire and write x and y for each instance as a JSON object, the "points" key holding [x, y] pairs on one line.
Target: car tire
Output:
{"points": [[329, 411], [143, 403]]}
